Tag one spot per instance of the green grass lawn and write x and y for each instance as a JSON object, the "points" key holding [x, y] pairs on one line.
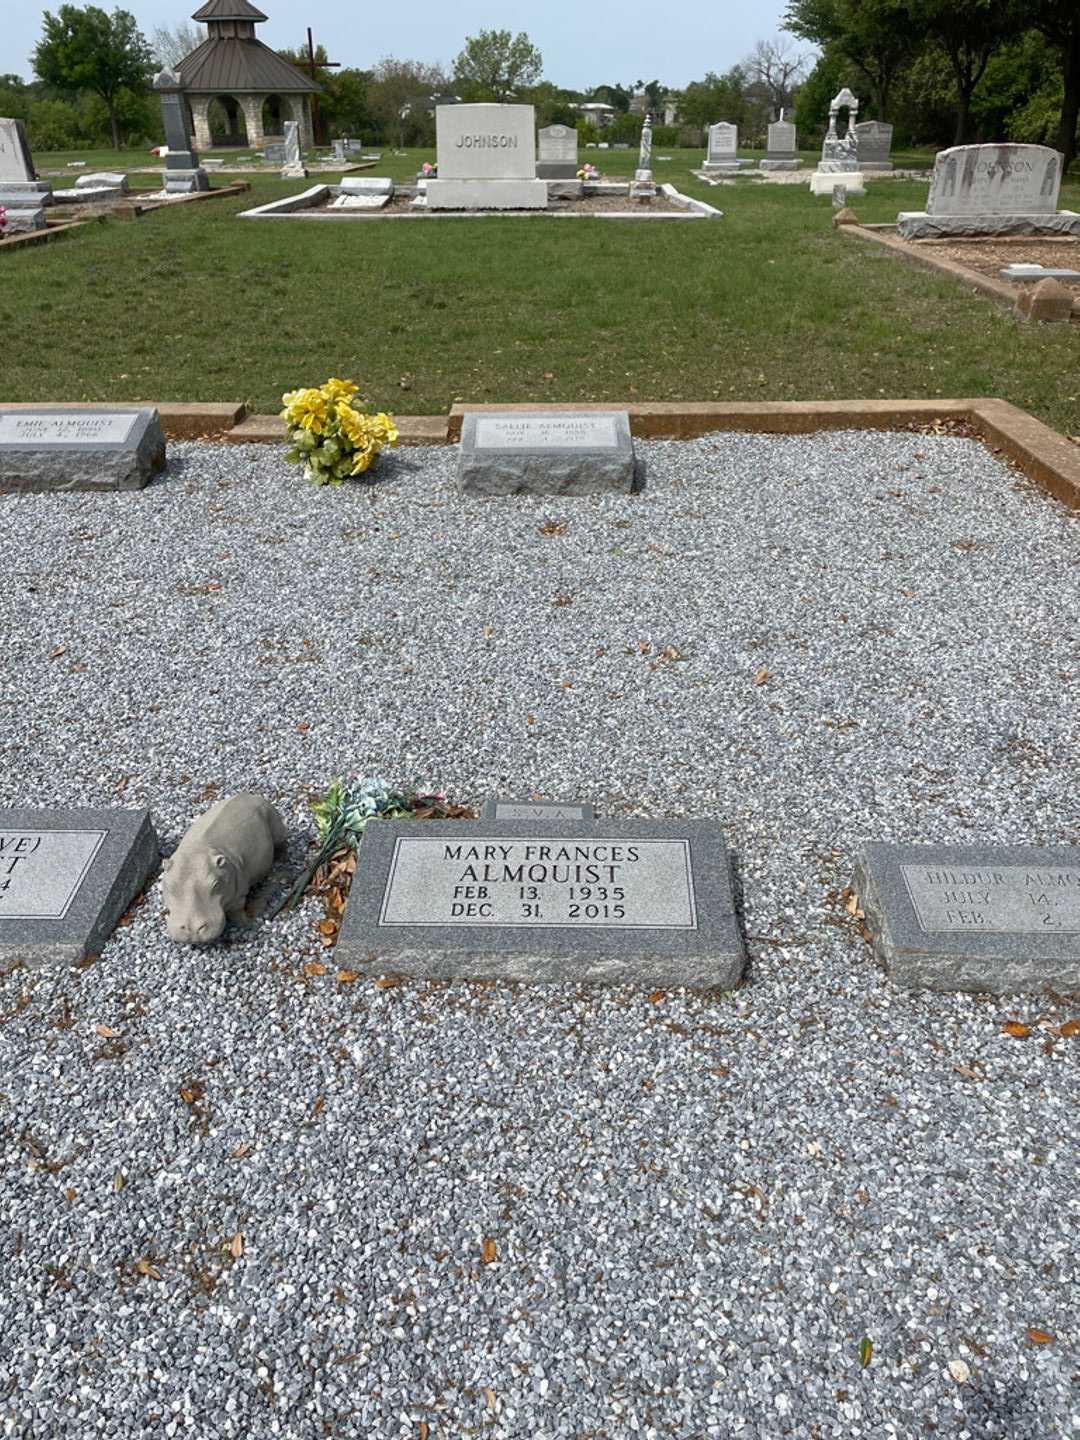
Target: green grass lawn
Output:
{"points": [[769, 303]]}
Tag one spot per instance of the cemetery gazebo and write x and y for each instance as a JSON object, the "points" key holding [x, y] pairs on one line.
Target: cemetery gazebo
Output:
{"points": [[245, 76]]}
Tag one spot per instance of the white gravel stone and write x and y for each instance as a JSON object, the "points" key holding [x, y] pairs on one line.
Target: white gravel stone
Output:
{"points": [[700, 1203]]}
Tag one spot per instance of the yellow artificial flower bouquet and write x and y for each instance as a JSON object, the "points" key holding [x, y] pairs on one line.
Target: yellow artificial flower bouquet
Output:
{"points": [[330, 435]]}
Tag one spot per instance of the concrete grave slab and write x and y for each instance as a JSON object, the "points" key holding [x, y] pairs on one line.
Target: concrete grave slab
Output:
{"points": [[66, 877], [68, 448], [628, 902], [1003, 919], [536, 811], [547, 454]]}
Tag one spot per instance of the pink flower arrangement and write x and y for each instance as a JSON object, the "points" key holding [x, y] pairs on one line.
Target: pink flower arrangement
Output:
{"points": [[428, 169], [3, 217], [588, 172]]}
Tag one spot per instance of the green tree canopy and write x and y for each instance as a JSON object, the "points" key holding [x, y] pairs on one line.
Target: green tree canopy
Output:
{"points": [[876, 37], [89, 50], [495, 65], [969, 32]]}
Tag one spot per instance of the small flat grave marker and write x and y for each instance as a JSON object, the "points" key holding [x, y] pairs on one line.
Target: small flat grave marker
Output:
{"points": [[536, 810], [1004, 919], [66, 877], [587, 453], [77, 449], [612, 902]]}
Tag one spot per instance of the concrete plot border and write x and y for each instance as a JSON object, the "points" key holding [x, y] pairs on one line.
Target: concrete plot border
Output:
{"points": [[914, 251], [1045, 456], [302, 206], [122, 209]]}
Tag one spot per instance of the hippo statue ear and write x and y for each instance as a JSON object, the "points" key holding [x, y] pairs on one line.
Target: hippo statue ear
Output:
{"points": [[220, 861]]}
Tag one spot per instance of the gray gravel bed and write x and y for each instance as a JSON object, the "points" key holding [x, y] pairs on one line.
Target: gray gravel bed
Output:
{"points": [[273, 1204]]}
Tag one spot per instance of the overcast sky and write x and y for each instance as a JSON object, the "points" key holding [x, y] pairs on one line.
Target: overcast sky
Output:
{"points": [[582, 44]]}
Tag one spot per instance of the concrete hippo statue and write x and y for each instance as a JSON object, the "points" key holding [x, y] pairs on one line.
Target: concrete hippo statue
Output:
{"points": [[222, 857]]}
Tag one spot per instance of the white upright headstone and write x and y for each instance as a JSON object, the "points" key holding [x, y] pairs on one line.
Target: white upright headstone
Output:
{"points": [[780, 151], [992, 190], [21, 195], [487, 159], [723, 143], [293, 168]]}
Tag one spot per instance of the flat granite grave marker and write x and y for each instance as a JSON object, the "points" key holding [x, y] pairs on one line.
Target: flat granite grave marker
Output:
{"points": [[536, 810], [76, 449], [587, 453], [66, 877], [627, 902], [1004, 919]]}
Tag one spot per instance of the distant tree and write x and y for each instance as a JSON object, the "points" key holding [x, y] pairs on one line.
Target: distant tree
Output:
{"points": [[717, 97], [617, 96], [171, 45], [812, 105], [399, 94], [1059, 22], [89, 50], [969, 32], [877, 37], [777, 67], [495, 64]]}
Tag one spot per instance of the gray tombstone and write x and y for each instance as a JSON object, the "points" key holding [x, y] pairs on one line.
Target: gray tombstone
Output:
{"points": [[781, 146], [274, 154], [22, 195], [557, 153], [629, 902], [587, 453], [992, 190], [723, 143], [874, 139], [1003, 919], [293, 167], [536, 811], [66, 877], [183, 173], [79, 448]]}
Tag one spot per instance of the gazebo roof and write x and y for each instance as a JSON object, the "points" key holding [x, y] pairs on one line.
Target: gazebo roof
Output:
{"points": [[228, 10], [230, 65]]}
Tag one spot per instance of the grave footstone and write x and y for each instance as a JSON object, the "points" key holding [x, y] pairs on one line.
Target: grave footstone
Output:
{"points": [[536, 811], [1023, 271], [557, 153], [66, 877], [992, 190], [1003, 919], [626, 902], [588, 453], [48, 448]]}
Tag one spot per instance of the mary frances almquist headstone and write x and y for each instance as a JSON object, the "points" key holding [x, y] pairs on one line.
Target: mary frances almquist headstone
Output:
{"points": [[615, 901], [76, 449], [1004, 919], [66, 877]]}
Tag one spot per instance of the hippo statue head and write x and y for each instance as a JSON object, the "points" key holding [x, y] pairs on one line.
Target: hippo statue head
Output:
{"points": [[200, 886]]}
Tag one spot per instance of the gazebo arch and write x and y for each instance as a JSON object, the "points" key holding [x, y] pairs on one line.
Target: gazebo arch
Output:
{"points": [[231, 65]]}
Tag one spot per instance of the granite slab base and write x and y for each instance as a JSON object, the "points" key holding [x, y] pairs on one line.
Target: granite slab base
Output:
{"points": [[77, 449], [615, 902], [547, 454], [918, 225], [66, 877], [998, 919], [18, 222], [186, 182], [792, 164], [487, 195], [823, 182]]}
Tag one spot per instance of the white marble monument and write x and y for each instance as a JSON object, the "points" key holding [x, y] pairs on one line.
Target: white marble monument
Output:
{"points": [[487, 159], [840, 153], [720, 156], [22, 195]]}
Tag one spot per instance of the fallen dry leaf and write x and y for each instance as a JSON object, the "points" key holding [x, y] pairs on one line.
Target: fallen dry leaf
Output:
{"points": [[424, 1431], [147, 1267], [1016, 1028], [314, 967], [236, 1246], [960, 1371], [657, 995], [762, 675], [387, 982], [303, 727], [55, 654], [107, 1032], [489, 1396], [489, 1252], [1039, 1337], [328, 927], [1069, 1029], [242, 1151], [118, 1181], [69, 1195], [346, 977]]}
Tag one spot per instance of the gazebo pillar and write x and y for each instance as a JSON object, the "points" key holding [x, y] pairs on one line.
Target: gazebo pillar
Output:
{"points": [[253, 113], [200, 115]]}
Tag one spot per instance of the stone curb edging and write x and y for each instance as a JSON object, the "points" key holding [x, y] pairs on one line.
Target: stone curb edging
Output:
{"points": [[119, 211], [999, 290], [1046, 457]]}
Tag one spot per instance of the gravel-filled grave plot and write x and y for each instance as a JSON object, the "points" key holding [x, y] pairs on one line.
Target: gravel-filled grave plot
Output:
{"points": [[243, 1198]]}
